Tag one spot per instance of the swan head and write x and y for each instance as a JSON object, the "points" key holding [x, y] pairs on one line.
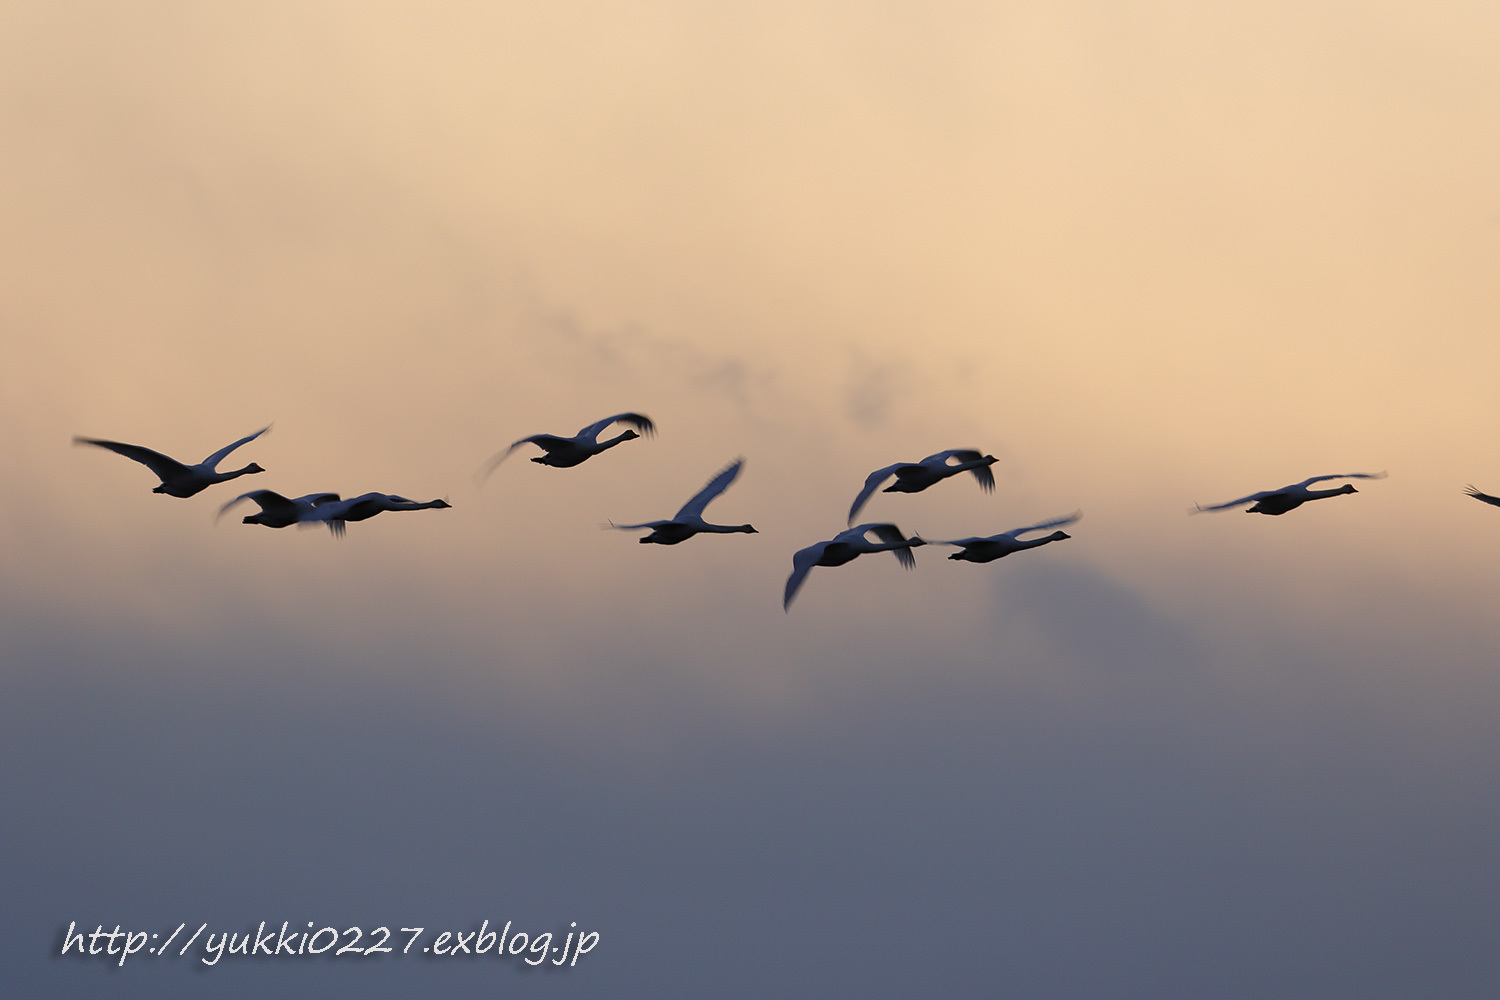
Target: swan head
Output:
{"points": [[440, 504], [629, 435], [1058, 536], [748, 529], [1348, 488], [916, 540], [252, 467]]}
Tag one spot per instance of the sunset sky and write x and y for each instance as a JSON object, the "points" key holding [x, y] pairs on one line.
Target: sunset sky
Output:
{"points": [[1148, 255]]}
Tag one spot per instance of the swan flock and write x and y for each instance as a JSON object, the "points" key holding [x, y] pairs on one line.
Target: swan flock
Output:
{"points": [[276, 510]]}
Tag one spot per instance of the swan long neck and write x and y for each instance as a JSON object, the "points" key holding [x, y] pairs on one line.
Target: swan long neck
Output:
{"points": [[611, 442]]}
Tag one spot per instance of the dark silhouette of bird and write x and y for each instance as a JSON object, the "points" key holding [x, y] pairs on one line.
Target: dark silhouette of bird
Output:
{"points": [[688, 521], [914, 477], [177, 479], [1291, 497], [337, 513], [992, 547], [564, 453], [847, 546]]}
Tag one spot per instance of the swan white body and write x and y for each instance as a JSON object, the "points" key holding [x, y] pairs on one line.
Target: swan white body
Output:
{"points": [[177, 479], [845, 547], [914, 477], [1274, 502], [688, 521], [992, 547], [277, 511], [564, 453]]}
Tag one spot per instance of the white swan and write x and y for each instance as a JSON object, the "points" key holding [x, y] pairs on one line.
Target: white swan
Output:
{"points": [[1471, 491], [914, 477], [992, 547], [276, 511], [365, 506], [178, 480], [847, 546], [688, 521], [1291, 497], [563, 453]]}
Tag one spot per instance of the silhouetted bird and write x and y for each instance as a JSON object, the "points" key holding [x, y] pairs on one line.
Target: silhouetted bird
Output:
{"points": [[178, 480], [688, 521], [1287, 498], [992, 547], [914, 477], [365, 506], [563, 453], [845, 547]]}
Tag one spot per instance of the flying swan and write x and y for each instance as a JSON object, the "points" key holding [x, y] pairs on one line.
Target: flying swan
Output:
{"points": [[564, 453], [337, 513], [845, 547], [1291, 497], [914, 477], [178, 480], [992, 547], [688, 521]]}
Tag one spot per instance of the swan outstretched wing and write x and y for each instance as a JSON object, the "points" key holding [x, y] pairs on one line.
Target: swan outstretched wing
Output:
{"points": [[316, 499], [1342, 475], [803, 560], [872, 483], [213, 460], [360, 508], [891, 535], [982, 473], [242, 497], [164, 467], [546, 442], [639, 421], [961, 454], [269, 501], [653, 525], [718, 484], [1252, 498], [1056, 522], [1477, 495]]}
